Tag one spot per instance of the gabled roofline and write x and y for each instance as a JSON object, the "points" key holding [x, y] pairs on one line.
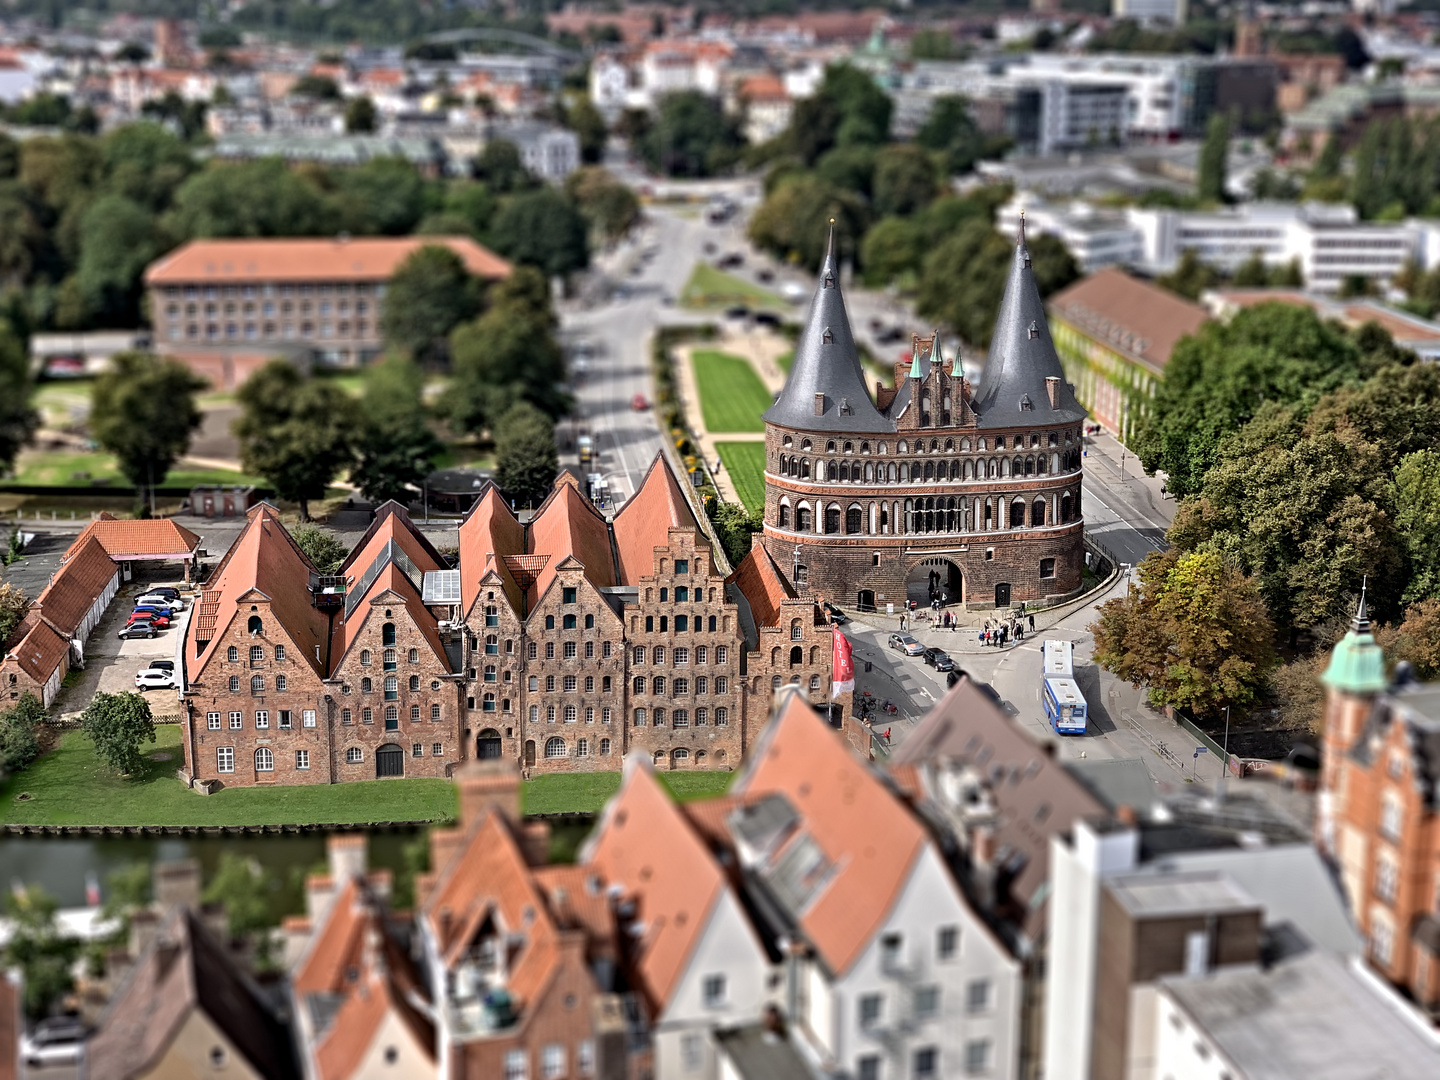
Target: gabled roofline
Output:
{"points": [[391, 508]]}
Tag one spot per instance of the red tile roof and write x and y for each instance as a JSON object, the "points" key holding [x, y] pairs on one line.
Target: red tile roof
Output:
{"points": [[567, 524], [335, 949], [362, 259], [646, 846], [645, 522], [40, 651], [764, 588], [156, 538], [1129, 315], [83, 576], [866, 834], [489, 532]]}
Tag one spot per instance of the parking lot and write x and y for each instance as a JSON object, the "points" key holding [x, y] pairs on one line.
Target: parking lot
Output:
{"points": [[111, 663]]}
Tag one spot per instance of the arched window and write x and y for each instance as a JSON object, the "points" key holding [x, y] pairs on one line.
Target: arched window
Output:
{"points": [[232, 654], [392, 687], [787, 441], [280, 683], [1017, 513], [784, 516], [279, 652], [414, 682], [797, 632], [680, 756], [814, 682], [264, 760], [929, 470], [570, 714], [802, 519], [257, 684], [387, 635], [413, 656], [775, 655], [805, 468], [604, 747], [1030, 465], [903, 447], [805, 444], [1037, 512], [1004, 467], [832, 518], [389, 659], [1065, 507], [1040, 465], [555, 748], [254, 625], [854, 519], [366, 686], [392, 718], [797, 656]]}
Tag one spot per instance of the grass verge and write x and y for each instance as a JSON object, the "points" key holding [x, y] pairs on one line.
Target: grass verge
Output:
{"points": [[561, 793], [732, 397], [745, 462], [712, 288], [80, 469], [70, 786]]}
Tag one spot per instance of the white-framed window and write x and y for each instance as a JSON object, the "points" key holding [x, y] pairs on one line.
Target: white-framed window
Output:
{"points": [[262, 718], [437, 749], [977, 1056], [681, 657], [237, 721], [977, 995], [1382, 938], [354, 755], [927, 1001], [1387, 877], [722, 654], [1392, 813], [225, 759], [264, 760], [585, 1057], [870, 1008], [283, 719], [212, 721], [605, 715], [713, 991], [302, 759], [517, 1065], [947, 942], [308, 717], [555, 747], [552, 1061]]}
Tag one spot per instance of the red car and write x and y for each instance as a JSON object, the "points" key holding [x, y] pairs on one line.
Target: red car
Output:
{"points": [[638, 403], [160, 622]]}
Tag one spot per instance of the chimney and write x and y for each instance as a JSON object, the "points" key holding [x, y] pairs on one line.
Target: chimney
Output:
{"points": [[1052, 390], [1125, 814], [348, 855], [820, 404], [488, 784], [535, 842], [177, 883]]}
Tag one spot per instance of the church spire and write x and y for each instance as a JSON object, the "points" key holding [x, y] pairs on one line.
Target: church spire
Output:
{"points": [[1357, 664]]}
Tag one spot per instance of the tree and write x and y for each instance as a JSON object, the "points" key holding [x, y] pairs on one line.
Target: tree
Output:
{"points": [[18, 421], [385, 195], [475, 204], [143, 411], [397, 447], [543, 229], [319, 87], [904, 180], [1190, 278], [360, 115], [526, 460], [242, 885], [893, 246], [19, 745], [431, 293], [691, 136], [848, 168], [1252, 273], [610, 206], [734, 527], [501, 168], [37, 948], [1195, 632], [583, 118], [950, 130], [1217, 379], [509, 354], [321, 547], [1417, 520], [145, 163], [253, 198], [794, 221], [13, 606], [120, 239], [119, 724], [1416, 640], [1210, 184], [296, 432]]}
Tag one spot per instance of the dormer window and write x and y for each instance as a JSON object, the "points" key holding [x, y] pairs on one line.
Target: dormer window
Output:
{"points": [[845, 409], [829, 280], [828, 337], [1034, 328], [1025, 404]]}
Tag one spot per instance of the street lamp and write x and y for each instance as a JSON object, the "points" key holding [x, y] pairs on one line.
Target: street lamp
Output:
{"points": [[1225, 760]]}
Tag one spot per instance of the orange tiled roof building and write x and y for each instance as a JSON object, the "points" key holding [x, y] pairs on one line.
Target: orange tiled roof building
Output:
{"points": [[561, 644]]}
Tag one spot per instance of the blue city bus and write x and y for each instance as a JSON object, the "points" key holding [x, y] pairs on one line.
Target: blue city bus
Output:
{"points": [[1064, 706], [1057, 659]]}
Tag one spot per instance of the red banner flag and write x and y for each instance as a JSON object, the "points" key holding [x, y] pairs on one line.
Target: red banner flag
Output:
{"points": [[843, 666]]}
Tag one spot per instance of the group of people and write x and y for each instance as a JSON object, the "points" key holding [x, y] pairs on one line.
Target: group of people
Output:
{"points": [[1000, 632]]}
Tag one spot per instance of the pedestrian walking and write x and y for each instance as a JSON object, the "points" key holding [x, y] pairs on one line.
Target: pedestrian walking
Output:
{"points": [[1032, 624]]}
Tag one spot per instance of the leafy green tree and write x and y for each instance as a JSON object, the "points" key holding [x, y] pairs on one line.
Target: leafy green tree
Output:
{"points": [[360, 115], [120, 239], [1417, 520], [1195, 632], [733, 526], [296, 432], [794, 221], [127, 890], [950, 130], [321, 546], [864, 109], [61, 172], [526, 461], [145, 163], [19, 743], [1416, 640], [431, 293], [1218, 378], [1252, 273], [1191, 277], [9, 157], [611, 207], [18, 421], [1396, 410], [319, 87], [385, 196], [397, 447], [475, 204], [583, 118], [893, 246], [543, 229], [849, 168], [255, 198], [933, 45], [247, 892], [509, 354], [13, 606], [143, 411], [1210, 184], [36, 947], [691, 136], [500, 167], [119, 724], [188, 115]]}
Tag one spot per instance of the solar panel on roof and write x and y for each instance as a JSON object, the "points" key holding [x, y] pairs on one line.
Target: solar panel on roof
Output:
{"points": [[441, 587]]}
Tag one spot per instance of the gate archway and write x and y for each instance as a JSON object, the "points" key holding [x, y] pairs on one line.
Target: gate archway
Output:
{"points": [[935, 579], [389, 761], [487, 745]]}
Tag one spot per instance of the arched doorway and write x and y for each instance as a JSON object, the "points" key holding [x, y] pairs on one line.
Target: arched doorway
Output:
{"points": [[1002, 594], [389, 761], [865, 600], [934, 579], [487, 745], [529, 753]]}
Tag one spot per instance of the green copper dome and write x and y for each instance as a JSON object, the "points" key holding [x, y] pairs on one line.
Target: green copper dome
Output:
{"points": [[1357, 666]]}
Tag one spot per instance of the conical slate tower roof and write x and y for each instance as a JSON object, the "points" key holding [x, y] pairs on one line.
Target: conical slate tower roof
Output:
{"points": [[826, 388], [1022, 356]]}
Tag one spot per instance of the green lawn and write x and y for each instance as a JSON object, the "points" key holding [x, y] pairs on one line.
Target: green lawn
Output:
{"points": [[745, 462], [712, 288], [70, 786], [732, 397], [560, 793], [59, 467]]}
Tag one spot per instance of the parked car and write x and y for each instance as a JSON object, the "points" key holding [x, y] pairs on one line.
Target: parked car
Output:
{"points": [[53, 1042], [162, 665], [154, 679], [639, 403], [738, 311], [906, 644], [138, 630], [160, 600], [765, 276], [157, 619], [939, 659], [836, 616], [767, 318], [156, 609], [167, 591]]}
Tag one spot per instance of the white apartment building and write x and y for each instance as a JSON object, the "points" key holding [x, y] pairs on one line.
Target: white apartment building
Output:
{"points": [[550, 152], [1096, 238], [1329, 241], [1159, 90], [1150, 11]]}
